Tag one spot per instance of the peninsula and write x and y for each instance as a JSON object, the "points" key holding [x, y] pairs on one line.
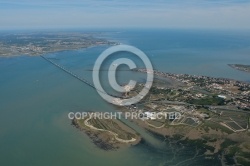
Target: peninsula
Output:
{"points": [[107, 134], [214, 113], [240, 67]]}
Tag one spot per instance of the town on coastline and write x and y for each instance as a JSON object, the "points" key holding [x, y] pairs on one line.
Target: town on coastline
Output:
{"points": [[44, 42], [213, 111]]}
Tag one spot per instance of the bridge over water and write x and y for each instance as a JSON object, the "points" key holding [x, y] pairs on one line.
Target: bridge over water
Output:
{"points": [[77, 77]]}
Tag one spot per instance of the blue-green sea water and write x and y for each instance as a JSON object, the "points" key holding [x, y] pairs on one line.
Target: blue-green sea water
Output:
{"points": [[36, 97]]}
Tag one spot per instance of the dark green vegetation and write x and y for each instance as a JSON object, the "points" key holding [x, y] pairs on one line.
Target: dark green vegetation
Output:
{"points": [[155, 90], [186, 96], [213, 100]]}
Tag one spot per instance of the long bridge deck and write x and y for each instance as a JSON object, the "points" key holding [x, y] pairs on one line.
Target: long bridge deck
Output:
{"points": [[77, 77]]}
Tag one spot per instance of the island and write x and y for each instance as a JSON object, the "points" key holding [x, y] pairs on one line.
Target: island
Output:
{"points": [[240, 67], [107, 134], [39, 43]]}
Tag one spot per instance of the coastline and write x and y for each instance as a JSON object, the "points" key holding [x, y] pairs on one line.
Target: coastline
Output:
{"points": [[36, 44], [106, 139], [240, 67]]}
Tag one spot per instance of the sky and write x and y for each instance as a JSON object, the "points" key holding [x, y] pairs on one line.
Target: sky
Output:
{"points": [[198, 14]]}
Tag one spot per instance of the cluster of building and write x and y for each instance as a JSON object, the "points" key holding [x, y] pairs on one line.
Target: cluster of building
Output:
{"points": [[235, 91], [36, 44]]}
